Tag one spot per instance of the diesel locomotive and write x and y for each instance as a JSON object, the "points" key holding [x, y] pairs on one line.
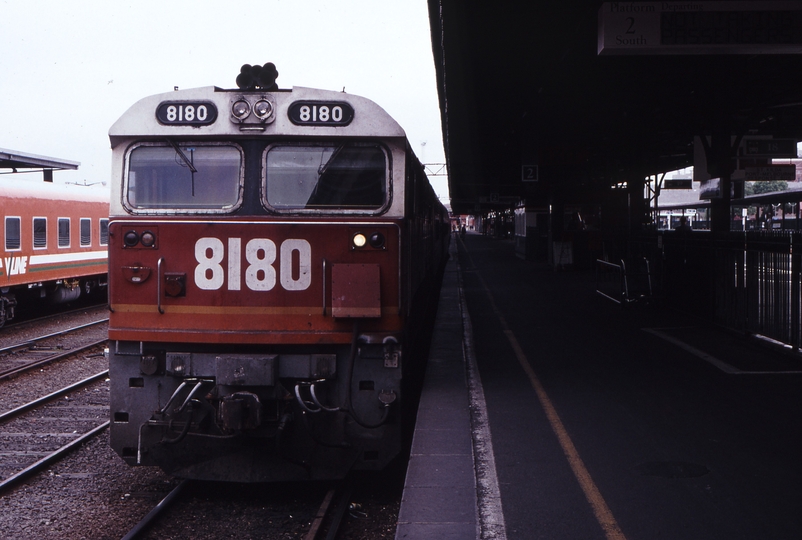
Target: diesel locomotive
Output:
{"points": [[275, 259]]}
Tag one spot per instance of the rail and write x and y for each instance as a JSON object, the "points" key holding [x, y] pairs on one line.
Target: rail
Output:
{"points": [[51, 458], [11, 373], [156, 512], [29, 342], [59, 453]]}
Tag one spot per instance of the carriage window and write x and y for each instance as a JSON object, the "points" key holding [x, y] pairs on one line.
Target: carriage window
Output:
{"points": [[39, 233], [86, 232], [63, 232], [13, 232], [321, 177], [104, 232], [184, 176]]}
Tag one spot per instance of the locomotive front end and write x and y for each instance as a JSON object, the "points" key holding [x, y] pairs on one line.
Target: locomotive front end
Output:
{"points": [[260, 285]]}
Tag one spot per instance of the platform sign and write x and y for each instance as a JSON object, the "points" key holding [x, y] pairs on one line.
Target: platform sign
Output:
{"points": [[495, 198], [706, 27], [769, 148], [529, 173], [678, 183], [770, 173], [710, 189]]}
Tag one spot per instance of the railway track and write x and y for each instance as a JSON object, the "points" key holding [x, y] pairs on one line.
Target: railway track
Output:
{"points": [[20, 323], [25, 454], [324, 524], [33, 353], [39, 433], [331, 514]]}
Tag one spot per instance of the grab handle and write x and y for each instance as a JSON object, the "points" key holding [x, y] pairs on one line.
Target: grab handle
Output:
{"points": [[159, 284], [324, 287]]}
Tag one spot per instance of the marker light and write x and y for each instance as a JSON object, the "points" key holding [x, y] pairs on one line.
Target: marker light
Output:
{"points": [[240, 110], [130, 239], [262, 109], [376, 240], [359, 240], [148, 239]]}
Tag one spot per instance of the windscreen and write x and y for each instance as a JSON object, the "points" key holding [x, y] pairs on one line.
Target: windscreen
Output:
{"points": [[184, 176], [337, 176]]}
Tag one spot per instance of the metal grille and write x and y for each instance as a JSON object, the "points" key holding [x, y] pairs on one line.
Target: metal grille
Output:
{"points": [[746, 281]]}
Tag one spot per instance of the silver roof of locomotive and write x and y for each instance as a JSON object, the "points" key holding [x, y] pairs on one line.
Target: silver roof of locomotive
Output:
{"points": [[370, 120]]}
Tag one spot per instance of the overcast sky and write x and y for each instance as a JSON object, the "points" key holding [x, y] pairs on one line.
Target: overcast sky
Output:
{"points": [[69, 69]]}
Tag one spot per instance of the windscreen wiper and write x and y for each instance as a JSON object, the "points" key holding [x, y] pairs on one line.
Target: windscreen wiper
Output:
{"points": [[185, 159], [323, 168]]}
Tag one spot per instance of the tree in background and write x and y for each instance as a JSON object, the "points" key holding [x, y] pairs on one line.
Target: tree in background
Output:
{"points": [[756, 188]]}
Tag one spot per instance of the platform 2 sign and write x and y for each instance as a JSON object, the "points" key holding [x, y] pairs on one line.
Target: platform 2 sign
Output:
{"points": [[529, 173], [706, 27]]}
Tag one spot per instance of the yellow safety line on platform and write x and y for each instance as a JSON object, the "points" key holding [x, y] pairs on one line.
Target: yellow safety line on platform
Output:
{"points": [[600, 509]]}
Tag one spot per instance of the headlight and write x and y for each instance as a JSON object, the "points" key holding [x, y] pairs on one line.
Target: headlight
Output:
{"points": [[240, 110], [262, 109], [359, 240]]}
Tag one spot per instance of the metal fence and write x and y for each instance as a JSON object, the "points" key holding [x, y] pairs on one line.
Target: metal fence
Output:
{"points": [[748, 281], [624, 283]]}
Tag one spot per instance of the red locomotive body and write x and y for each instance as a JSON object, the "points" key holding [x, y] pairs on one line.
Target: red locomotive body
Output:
{"points": [[55, 241], [274, 300], [275, 256]]}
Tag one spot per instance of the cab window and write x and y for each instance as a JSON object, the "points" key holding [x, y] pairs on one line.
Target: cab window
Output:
{"points": [[183, 176], [327, 176]]}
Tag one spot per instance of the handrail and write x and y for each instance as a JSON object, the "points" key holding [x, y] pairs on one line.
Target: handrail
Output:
{"points": [[159, 284], [611, 266], [324, 287]]}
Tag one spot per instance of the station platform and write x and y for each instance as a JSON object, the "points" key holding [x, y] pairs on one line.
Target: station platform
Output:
{"points": [[439, 498], [551, 412]]}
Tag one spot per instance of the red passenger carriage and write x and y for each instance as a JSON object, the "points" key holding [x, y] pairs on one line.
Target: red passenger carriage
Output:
{"points": [[55, 238]]}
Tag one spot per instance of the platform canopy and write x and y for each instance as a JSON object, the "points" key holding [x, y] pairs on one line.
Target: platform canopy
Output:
{"points": [[568, 98], [15, 161]]}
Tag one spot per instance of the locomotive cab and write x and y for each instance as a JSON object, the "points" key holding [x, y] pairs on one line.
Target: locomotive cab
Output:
{"points": [[268, 283]]}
